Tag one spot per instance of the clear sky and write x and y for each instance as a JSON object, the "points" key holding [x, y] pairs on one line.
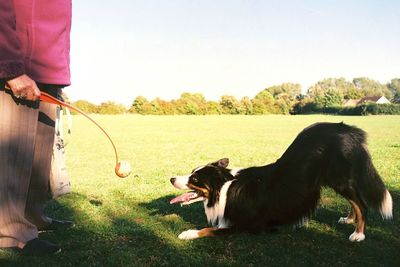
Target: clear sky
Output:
{"points": [[161, 48]]}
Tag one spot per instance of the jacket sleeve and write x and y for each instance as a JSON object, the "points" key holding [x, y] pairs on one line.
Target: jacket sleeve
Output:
{"points": [[11, 58]]}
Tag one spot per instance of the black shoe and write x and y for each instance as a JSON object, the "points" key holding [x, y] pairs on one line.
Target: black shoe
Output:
{"points": [[57, 225], [35, 247]]}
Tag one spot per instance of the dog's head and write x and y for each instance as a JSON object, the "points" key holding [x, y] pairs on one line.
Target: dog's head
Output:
{"points": [[204, 183]]}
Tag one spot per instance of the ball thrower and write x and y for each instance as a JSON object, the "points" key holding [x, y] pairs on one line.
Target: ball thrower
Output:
{"points": [[122, 168]]}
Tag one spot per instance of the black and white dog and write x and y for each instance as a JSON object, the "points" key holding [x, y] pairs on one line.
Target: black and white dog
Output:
{"points": [[257, 199]]}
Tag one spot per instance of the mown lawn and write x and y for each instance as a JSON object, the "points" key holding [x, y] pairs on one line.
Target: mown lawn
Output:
{"points": [[129, 222]]}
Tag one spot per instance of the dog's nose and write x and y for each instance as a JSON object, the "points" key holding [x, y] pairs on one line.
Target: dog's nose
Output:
{"points": [[173, 180]]}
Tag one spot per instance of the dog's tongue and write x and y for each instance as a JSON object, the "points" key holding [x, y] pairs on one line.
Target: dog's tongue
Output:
{"points": [[183, 198]]}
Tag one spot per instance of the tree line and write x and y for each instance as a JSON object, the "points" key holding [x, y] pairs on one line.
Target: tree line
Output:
{"points": [[326, 96]]}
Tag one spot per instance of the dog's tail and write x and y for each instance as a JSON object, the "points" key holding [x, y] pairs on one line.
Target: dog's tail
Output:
{"points": [[386, 208], [372, 188]]}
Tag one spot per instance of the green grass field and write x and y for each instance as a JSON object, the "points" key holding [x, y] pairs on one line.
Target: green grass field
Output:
{"points": [[129, 222]]}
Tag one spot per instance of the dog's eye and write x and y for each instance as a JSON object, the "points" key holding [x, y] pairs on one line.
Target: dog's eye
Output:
{"points": [[194, 179]]}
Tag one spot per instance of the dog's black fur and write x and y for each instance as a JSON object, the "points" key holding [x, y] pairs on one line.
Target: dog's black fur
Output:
{"points": [[334, 155]]}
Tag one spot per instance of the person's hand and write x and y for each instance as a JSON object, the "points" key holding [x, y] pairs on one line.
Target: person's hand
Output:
{"points": [[24, 87]]}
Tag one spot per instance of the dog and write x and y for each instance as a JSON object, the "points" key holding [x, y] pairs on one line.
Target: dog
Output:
{"points": [[286, 192]]}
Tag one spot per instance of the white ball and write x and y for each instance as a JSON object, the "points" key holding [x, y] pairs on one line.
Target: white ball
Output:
{"points": [[123, 169]]}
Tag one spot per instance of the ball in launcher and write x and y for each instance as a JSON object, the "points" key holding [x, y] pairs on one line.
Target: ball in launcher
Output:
{"points": [[123, 169]]}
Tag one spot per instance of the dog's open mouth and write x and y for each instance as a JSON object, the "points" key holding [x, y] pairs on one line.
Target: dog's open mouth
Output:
{"points": [[187, 198]]}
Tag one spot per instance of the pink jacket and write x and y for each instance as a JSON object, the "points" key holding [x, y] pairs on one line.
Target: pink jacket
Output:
{"points": [[35, 39]]}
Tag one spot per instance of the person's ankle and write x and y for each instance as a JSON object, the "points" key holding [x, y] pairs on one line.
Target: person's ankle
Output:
{"points": [[21, 245]]}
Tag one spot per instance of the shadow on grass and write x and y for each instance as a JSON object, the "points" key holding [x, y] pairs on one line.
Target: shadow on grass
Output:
{"points": [[192, 214], [131, 233]]}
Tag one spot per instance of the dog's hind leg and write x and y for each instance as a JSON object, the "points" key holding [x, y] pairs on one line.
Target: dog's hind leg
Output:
{"points": [[358, 213], [350, 219], [358, 234], [205, 232]]}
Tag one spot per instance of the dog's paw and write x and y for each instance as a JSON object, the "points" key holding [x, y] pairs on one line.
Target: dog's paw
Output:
{"points": [[189, 235], [346, 220], [356, 237]]}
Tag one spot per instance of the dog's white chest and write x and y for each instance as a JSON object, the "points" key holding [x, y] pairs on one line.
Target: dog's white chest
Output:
{"points": [[215, 214]]}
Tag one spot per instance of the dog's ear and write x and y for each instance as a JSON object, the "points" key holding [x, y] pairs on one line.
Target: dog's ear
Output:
{"points": [[221, 163]]}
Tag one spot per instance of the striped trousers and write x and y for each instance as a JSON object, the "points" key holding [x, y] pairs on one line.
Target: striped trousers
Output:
{"points": [[26, 145]]}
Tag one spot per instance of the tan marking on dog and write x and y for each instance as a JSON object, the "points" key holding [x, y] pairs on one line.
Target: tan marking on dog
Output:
{"points": [[203, 190]]}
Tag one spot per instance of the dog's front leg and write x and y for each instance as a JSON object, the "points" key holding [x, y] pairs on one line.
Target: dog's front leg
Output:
{"points": [[210, 231]]}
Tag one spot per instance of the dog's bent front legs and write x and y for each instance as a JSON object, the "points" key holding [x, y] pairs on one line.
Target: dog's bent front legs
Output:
{"points": [[193, 234]]}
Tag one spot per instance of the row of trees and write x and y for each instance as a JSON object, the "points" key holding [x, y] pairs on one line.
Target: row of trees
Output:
{"points": [[280, 99], [333, 92]]}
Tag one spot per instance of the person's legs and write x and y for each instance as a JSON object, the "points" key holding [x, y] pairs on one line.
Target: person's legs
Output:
{"points": [[18, 124], [38, 193]]}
